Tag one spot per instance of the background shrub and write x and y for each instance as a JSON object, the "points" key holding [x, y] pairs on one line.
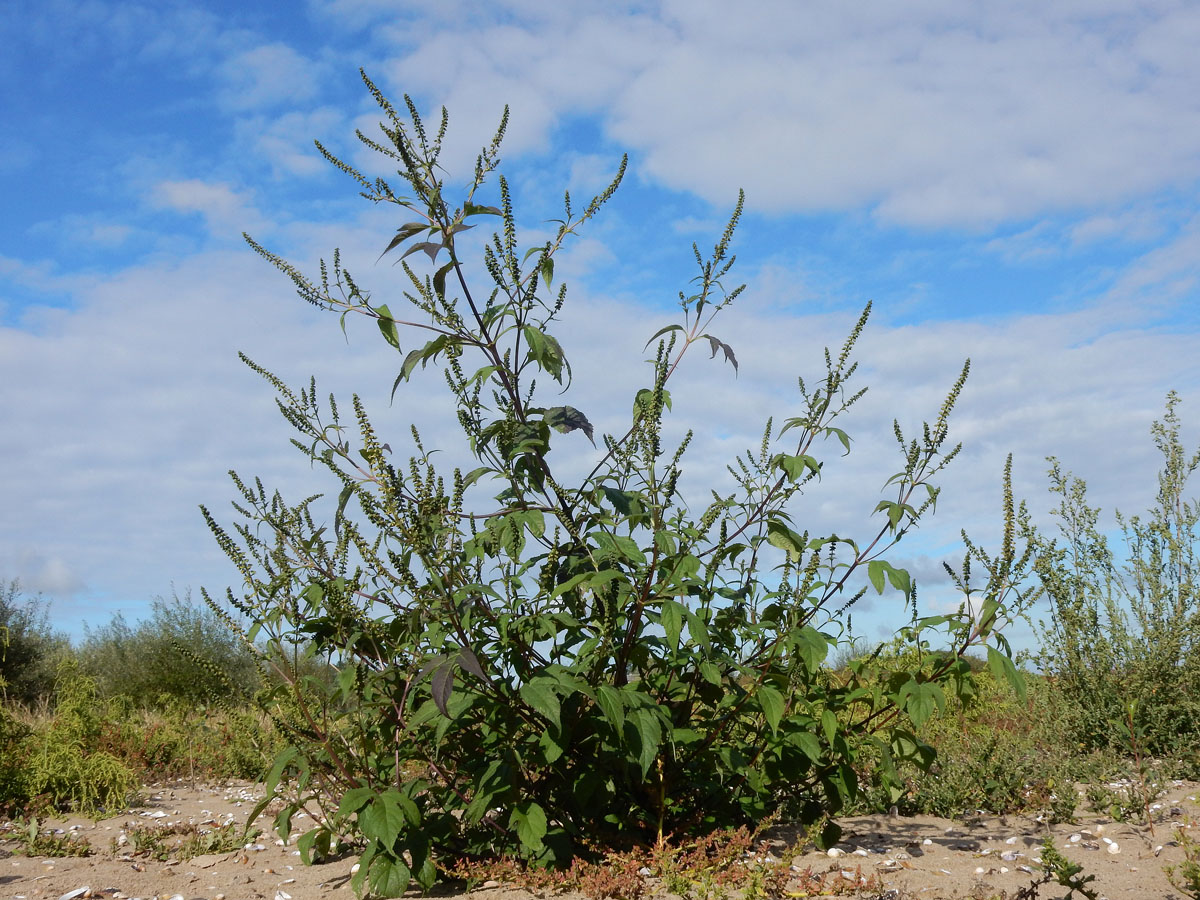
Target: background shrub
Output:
{"points": [[29, 649], [1127, 633], [182, 654]]}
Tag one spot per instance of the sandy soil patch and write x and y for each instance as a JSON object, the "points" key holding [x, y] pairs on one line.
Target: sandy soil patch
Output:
{"points": [[920, 857]]}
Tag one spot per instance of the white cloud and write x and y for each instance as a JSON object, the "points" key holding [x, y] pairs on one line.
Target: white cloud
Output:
{"points": [[40, 574], [1034, 244], [226, 210], [1161, 276], [286, 142], [77, 229], [934, 114], [1137, 224], [267, 75]]}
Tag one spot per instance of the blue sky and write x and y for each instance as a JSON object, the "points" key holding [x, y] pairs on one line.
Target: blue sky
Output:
{"points": [[1012, 183]]}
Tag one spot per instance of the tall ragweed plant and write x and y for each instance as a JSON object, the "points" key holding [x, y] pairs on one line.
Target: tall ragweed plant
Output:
{"points": [[534, 667]]}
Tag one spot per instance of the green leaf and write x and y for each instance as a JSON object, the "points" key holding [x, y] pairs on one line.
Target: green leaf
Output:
{"points": [[697, 630], [593, 580], [364, 866], [622, 501], [672, 622], [779, 535], [716, 345], [829, 724], [1001, 666], [620, 545], [906, 746], [546, 270], [841, 436], [918, 701], [441, 685], [403, 233], [533, 520], [539, 694], [530, 822], [389, 876], [830, 834], [900, 580], [566, 419], [812, 647], [469, 662], [431, 248], [987, 616], [314, 844], [387, 326], [660, 333], [283, 760], [797, 467], [487, 786], [611, 705], [474, 209], [439, 278], [643, 400], [354, 800], [383, 819], [772, 704], [649, 733], [875, 572], [545, 351], [809, 745], [551, 749], [710, 673]]}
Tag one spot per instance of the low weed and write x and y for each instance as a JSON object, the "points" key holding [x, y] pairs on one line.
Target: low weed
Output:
{"points": [[1059, 870], [181, 841], [1185, 877], [34, 841], [718, 866], [1129, 800]]}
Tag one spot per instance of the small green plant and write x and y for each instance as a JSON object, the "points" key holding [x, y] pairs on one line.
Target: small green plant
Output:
{"points": [[36, 841], [724, 863], [992, 754], [1059, 799], [1185, 876], [182, 840], [1060, 870], [1146, 786]]}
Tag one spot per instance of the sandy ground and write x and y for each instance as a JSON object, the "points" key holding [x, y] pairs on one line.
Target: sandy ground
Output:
{"points": [[920, 857]]}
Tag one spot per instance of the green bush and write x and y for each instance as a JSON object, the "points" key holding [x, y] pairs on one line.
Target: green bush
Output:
{"points": [[14, 790], [61, 762], [197, 743], [29, 649], [1000, 754], [535, 668], [182, 654], [1127, 634]]}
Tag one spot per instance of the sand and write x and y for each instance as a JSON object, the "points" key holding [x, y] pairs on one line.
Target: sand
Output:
{"points": [[903, 857]]}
